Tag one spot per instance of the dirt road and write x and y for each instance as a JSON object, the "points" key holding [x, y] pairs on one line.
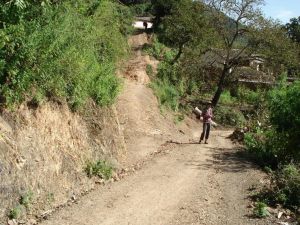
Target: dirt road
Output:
{"points": [[186, 183]]}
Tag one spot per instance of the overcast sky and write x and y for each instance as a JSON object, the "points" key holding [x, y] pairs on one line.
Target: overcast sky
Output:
{"points": [[282, 10]]}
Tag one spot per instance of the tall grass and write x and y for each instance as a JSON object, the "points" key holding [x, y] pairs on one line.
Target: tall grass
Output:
{"points": [[70, 51], [166, 93]]}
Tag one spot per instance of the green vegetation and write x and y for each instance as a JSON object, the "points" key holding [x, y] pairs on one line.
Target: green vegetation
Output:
{"points": [[279, 137], [275, 144], [156, 49], [62, 50], [16, 212], [149, 70], [24, 203], [142, 9], [248, 96], [166, 93], [99, 168], [50, 197], [229, 116], [26, 199], [227, 99], [260, 210], [203, 53]]}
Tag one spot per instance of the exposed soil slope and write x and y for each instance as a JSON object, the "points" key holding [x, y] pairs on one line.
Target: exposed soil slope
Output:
{"points": [[145, 128], [44, 151]]}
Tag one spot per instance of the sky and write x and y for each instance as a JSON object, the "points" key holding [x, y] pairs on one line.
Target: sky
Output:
{"points": [[282, 10]]}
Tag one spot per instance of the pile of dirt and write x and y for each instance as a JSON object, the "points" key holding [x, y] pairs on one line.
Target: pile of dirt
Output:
{"points": [[238, 135]]}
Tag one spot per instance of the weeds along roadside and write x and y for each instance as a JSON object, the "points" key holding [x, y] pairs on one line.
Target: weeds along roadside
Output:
{"points": [[274, 144]]}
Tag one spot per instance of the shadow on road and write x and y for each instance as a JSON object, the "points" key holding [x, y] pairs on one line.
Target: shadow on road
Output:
{"points": [[224, 160]]}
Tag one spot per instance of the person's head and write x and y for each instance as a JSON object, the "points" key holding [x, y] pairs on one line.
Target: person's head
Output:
{"points": [[209, 104]]}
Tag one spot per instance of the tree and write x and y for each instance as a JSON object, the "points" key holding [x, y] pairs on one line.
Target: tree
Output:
{"points": [[161, 8], [186, 26], [234, 21], [242, 33], [293, 29]]}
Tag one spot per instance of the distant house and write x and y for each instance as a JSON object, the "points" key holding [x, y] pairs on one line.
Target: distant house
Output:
{"points": [[249, 68]]}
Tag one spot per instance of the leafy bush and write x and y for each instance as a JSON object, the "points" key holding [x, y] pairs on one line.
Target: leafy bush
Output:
{"points": [[166, 93], [284, 105], [278, 145], [228, 116], [169, 84], [281, 136], [226, 98], [284, 188], [99, 168], [141, 9], [288, 186], [260, 149], [249, 96], [168, 72], [67, 50], [155, 49]]}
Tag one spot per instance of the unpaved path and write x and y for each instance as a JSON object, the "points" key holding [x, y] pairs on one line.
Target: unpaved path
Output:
{"points": [[190, 184], [187, 183]]}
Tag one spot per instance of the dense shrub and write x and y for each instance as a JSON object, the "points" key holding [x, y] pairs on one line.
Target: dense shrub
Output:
{"points": [[246, 95], [258, 146], [288, 186], [281, 134], [226, 98], [284, 188], [285, 117], [142, 9], [166, 93], [277, 145], [69, 50], [155, 49], [228, 116]]}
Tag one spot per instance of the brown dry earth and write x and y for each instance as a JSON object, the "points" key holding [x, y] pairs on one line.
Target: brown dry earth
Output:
{"points": [[186, 183]]}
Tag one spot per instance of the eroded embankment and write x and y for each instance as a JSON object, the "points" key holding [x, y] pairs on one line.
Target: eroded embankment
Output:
{"points": [[43, 153]]}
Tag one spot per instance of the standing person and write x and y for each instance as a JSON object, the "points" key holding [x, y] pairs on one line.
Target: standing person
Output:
{"points": [[207, 119], [145, 24]]}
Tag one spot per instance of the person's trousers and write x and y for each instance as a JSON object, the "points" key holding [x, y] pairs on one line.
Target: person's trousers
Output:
{"points": [[205, 132]]}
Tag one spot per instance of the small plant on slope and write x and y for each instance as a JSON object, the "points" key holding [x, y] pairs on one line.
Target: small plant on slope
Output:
{"points": [[260, 210], [99, 168]]}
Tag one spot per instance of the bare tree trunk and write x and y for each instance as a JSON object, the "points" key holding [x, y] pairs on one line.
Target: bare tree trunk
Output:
{"points": [[219, 91]]}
